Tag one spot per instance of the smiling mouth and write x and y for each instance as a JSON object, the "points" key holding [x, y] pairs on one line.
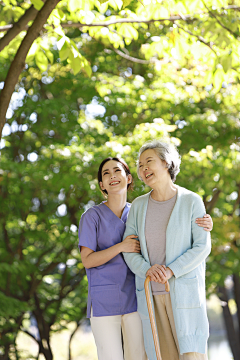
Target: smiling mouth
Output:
{"points": [[114, 183], [148, 175]]}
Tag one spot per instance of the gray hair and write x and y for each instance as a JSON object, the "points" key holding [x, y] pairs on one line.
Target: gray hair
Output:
{"points": [[166, 152]]}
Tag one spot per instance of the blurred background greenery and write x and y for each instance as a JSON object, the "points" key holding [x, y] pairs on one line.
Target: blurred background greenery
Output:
{"points": [[161, 69]]}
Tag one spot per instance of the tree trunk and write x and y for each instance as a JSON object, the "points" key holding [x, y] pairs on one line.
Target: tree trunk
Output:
{"points": [[70, 340], [6, 352], [44, 331], [236, 282], [228, 320], [19, 26], [19, 61]]}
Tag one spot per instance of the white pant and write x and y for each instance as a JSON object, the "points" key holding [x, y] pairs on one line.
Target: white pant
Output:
{"points": [[108, 332]]}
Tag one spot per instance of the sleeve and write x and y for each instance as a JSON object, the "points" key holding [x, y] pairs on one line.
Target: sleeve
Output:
{"points": [[87, 232], [201, 244], [136, 262]]}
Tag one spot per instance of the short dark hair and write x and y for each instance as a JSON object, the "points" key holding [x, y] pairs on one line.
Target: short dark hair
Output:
{"points": [[124, 165]]}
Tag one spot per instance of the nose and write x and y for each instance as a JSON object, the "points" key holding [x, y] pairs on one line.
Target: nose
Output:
{"points": [[112, 176]]}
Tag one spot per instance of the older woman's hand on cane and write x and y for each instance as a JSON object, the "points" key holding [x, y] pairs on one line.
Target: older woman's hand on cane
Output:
{"points": [[160, 274]]}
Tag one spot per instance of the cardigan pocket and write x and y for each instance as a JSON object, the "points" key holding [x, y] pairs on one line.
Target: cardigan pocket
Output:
{"points": [[142, 304], [105, 300], [187, 294]]}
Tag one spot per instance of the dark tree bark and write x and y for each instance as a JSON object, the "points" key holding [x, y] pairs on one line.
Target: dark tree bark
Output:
{"points": [[70, 340], [228, 320], [236, 281], [19, 61], [17, 27], [44, 331]]}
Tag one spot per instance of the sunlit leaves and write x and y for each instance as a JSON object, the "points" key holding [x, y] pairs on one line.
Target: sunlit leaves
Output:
{"points": [[226, 62], [126, 3], [69, 51], [38, 4], [218, 79], [82, 5], [183, 44], [73, 5], [41, 60], [128, 32]]}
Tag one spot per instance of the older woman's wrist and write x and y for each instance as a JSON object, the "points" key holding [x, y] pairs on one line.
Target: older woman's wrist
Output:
{"points": [[169, 273]]}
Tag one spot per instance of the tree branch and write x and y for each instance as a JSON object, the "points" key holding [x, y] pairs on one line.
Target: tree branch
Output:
{"points": [[31, 335], [19, 61], [16, 28], [134, 21], [173, 18], [210, 205], [200, 38], [219, 22], [231, 333], [70, 339], [133, 59]]}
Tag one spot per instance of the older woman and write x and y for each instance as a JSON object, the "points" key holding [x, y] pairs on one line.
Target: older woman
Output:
{"points": [[174, 248]]}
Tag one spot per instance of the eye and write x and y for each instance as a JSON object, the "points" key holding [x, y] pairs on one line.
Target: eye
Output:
{"points": [[118, 170], [149, 160], [105, 173], [140, 166]]}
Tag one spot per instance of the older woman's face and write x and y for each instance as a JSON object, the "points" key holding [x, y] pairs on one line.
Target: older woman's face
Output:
{"points": [[151, 168]]}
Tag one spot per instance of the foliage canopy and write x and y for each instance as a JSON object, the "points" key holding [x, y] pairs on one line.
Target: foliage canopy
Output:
{"points": [[161, 69]]}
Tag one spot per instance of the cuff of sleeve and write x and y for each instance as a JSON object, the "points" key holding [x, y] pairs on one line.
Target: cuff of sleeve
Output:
{"points": [[175, 269], [144, 268]]}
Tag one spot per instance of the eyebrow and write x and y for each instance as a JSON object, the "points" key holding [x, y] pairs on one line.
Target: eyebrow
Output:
{"points": [[149, 157], [116, 167]]}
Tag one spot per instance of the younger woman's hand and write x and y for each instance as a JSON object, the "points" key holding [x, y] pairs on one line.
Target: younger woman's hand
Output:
{"points": [[158, 273], [130, 244], [205, 222]]}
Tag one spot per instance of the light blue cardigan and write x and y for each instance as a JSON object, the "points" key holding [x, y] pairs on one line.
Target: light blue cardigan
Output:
{"points": [[187, 246]]}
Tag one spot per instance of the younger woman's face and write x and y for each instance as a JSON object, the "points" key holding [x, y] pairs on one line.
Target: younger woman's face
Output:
{"points": [[114, 178]]}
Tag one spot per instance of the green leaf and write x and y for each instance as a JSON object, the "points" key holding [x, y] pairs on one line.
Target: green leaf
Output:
{"points": [[41, 60], [126, 3], [218, 79], [64, 52], [129, 32], [32, 51], [208, 78], [61, 14], [50, 56], [116, 4], [38, 4], [226, 62], [87, 67], [76, 64], [73, 5]]}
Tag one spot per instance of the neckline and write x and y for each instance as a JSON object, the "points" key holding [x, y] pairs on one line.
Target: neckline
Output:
{"points": [[121, 218], [163, 202]]}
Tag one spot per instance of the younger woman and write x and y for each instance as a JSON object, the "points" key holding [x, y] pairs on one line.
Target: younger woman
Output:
{"points": [[112, 305]]}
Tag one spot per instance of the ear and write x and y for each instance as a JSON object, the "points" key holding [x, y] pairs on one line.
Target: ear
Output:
{"points": [[165, 164], [101, 185], [129, 179]]}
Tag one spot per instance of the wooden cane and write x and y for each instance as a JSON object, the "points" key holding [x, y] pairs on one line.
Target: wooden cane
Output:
{"points": [[151, 316]]}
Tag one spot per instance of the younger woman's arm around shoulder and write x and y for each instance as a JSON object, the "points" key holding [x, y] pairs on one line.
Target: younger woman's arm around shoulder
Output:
{"points": [[92, 258]]}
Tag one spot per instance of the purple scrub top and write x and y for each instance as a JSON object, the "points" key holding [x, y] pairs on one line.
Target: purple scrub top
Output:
{"points": [[111, 286]]}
